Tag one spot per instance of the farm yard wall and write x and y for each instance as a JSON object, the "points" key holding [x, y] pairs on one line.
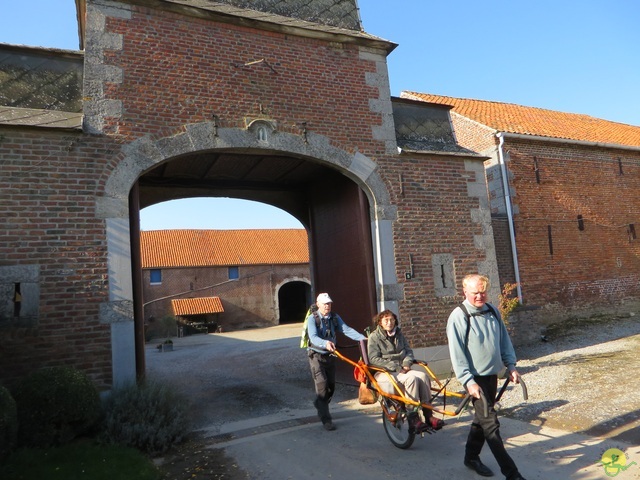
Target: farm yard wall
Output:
{"points": [[577, 206]]}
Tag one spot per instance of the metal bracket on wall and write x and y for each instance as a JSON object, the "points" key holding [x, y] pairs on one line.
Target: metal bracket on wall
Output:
{"points": [[409, 275]]}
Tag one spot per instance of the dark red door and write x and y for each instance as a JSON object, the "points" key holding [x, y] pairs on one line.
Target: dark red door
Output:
{"points": [[342, 256]]}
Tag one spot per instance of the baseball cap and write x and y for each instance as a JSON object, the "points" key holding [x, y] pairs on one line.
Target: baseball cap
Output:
{"points": [[324, 298]]}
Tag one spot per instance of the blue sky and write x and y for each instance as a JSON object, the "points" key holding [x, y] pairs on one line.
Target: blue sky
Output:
{"points": [[578, 56]]}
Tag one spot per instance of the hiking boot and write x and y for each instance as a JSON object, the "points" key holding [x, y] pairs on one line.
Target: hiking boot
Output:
{"points": [[328, 426], [479, 467]]}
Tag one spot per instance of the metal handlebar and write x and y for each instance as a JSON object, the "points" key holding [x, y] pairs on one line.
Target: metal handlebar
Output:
{"points": [[467, 398], [525, 393]]}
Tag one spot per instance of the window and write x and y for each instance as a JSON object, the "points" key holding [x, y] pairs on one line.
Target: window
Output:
{"points": [[155, 276], [234, 274], [19, 295]]}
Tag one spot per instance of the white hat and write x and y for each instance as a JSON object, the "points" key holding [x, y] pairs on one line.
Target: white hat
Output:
{"points": [[324, 298]]}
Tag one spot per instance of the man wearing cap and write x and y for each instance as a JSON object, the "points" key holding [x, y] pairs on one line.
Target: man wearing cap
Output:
{"points": [[322, 327]]}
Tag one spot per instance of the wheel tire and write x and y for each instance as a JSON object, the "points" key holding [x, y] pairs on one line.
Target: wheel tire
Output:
{"points": [[398, 431]]}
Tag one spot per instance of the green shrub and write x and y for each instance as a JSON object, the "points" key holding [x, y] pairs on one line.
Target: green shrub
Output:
{"points": [[149, 417], [81, 459], [55, 405], [8, 422], [507, 302]]}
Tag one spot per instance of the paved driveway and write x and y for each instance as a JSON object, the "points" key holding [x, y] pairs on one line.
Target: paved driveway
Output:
{"points": [[251, 395]]}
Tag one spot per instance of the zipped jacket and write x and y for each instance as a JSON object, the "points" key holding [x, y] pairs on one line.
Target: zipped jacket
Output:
{"points": [[391, 353]]}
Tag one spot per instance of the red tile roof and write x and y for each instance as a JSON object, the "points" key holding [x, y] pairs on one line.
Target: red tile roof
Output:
{"points": [[196, 306], [511, 118], [205, 248]]}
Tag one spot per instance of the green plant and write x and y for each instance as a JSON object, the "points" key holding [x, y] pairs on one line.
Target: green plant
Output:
{"points": [[79, 459], [149, 417], [8, 422], [507, 302], [54, 406]]}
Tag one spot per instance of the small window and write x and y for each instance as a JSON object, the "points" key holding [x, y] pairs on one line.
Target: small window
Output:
{"points": [[234, 274], [155, 277]]}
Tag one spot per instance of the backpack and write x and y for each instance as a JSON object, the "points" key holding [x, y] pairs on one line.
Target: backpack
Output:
{"points": [[467, 317], [313, 310]]}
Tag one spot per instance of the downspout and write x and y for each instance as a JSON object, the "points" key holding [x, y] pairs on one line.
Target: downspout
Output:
{"points": [[507, 201], [378, 260]]}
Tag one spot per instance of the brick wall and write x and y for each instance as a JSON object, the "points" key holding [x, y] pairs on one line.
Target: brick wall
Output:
{"points": [[434, 217], [149, 73], [473, 135], [48, 221], [560, 263], [178, 70], [336, 103], [249, 301], [564, 271]]}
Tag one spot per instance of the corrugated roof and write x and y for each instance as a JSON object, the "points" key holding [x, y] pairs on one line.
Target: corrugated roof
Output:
{"points": [[196, 306], [200, 248], [512, 118]]}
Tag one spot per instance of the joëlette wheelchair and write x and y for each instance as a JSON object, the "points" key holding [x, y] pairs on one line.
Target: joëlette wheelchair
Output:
{"points": [[396, 406]]}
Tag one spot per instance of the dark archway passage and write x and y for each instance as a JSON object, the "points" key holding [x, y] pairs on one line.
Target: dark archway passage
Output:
{"points": [[294, 299]]}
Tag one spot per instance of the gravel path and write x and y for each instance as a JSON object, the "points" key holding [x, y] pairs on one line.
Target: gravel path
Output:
{"points": [[582, 379]]}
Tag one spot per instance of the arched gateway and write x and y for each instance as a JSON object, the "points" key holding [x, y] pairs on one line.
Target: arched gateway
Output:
{"points": [[205, 139]]}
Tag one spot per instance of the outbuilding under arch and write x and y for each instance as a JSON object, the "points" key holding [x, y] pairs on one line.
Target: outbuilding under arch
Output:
{"points": [[348, 216]]}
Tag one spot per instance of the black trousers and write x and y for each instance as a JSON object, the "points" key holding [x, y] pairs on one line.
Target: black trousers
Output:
{"points": [[323, 371], [487, 429]]}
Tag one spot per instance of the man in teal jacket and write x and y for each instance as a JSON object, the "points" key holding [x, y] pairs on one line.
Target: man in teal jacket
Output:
{"points": [[480, 348]]}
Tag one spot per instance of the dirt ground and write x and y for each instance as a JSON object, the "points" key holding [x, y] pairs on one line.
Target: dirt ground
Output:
{"points": [[581, 379]]}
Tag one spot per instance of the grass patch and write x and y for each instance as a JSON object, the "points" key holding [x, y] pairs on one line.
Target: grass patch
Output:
{"points": [[79, 460]]}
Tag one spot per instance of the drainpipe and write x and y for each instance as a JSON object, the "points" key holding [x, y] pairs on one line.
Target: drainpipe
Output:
{"points": [[507, 201], [379, 267]]}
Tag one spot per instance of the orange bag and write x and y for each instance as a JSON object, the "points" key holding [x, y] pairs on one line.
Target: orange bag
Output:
{"points": [[358, 372]]}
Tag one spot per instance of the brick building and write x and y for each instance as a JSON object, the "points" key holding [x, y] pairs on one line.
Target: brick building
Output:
{"points": [[285, 103], [259, 277], [567, 231]]}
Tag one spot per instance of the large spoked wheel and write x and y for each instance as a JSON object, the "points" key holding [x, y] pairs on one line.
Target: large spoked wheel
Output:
{"points": [[396, 425]]}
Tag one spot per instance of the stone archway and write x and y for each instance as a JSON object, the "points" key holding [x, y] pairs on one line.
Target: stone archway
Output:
{"points": [[146, 153]]}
